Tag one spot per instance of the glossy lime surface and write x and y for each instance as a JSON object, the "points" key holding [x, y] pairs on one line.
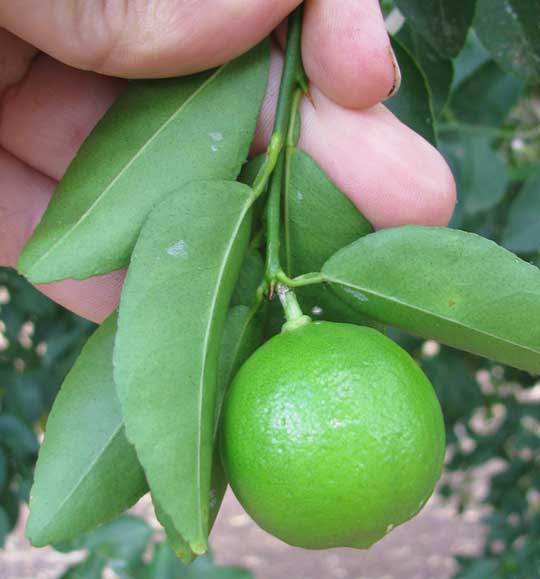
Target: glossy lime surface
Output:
{"points": [[332, 436]]}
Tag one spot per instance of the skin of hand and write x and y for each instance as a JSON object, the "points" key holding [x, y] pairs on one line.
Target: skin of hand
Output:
{"points": [[61, 67]]}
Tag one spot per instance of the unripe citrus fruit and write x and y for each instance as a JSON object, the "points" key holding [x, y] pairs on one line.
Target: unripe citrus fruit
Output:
{"points": [[332, 436]]}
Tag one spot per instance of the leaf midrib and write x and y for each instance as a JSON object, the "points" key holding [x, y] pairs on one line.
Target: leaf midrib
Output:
{"points": [[206, 341], [430, 313], [127, 166], [84, 475]]}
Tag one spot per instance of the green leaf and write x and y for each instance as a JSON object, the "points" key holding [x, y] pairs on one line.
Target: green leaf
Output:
{"points": [[121, 543], [159, 135], [164, 565], [172, 312], [454, 378], [470, 59], [87, 472], [91, 568], [452, 286], [251, 276], [486, 96], [522, 232], [243, 334], [4, 473], [319, 220], [480, 173], [443, 23], [509, 30], [438, 70], [412, 103], [5, 526], [17, 437]]}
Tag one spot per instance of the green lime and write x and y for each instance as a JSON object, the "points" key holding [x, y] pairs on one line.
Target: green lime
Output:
{"points": [[332, 436]]}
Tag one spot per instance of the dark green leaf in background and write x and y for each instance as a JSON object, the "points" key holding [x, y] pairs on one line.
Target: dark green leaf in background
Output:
{"points": [[87, 472], [121, 544], [443, 23], [173, 308], [509, 30], [17, 437], [487, 96], [319, 220], [91, 568], [452, 286], [164, 565], [5, 526], [522, 232], [3, 470], [412, 103], [471, 58], [439, 70], [159, 135], [480, 172]]}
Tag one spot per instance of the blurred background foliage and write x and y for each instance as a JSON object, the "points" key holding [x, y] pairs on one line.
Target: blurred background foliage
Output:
{"points": [[471, 86]]}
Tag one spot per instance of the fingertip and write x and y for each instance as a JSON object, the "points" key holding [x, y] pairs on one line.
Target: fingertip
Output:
{"points": [[392, 175], [347, 52]]}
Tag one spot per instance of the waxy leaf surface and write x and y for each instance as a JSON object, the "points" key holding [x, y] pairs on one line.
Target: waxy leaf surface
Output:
{"points": [[159, 135], [412, 103], [509, 30], [87, 472], [522, 232], [443, 23], [319, 220], [455, 287], [173, 308]]}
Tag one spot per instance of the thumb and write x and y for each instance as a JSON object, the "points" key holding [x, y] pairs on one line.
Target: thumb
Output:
{"points": [[144, 38]]}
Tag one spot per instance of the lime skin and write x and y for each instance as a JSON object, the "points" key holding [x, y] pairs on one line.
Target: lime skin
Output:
{"points": [[331, 436]]}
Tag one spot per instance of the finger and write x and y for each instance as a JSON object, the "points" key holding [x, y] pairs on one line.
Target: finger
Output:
{"points": [[48, 115], [24, 194], [144, 38], [347, 52], [390, 173]]}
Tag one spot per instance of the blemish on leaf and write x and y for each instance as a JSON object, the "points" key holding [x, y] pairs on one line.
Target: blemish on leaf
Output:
{"points": [[179, 249], [451, 303], [355, 293], [217, 137]]}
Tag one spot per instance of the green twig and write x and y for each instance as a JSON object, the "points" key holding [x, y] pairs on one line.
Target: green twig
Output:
{"points": [[292, 72]]}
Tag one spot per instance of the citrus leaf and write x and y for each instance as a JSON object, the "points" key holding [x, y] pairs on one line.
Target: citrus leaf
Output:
{"points": [[455, 287], [509, 30], [242, 336], [443, 23], [438, 70], [486, 96], [87, 473], [251, 277], [469, 60], [319, 220], [480, 173], [159, 135], [412, 103], [522, 232], [172, 312]]}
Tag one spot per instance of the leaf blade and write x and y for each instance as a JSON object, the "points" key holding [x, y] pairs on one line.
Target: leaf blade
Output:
{"points": [[189, 253], [159, 135], [85, 450], [456, 287], [443, 23]]}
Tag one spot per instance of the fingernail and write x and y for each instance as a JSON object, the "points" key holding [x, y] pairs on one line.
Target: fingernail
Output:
{"points": [[397, 73]]}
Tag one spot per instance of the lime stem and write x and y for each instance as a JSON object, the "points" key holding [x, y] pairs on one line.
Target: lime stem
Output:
{"points": [[293, 313]]}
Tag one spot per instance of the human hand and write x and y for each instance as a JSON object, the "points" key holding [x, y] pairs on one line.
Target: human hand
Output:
{"points": [[53, 91]]}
